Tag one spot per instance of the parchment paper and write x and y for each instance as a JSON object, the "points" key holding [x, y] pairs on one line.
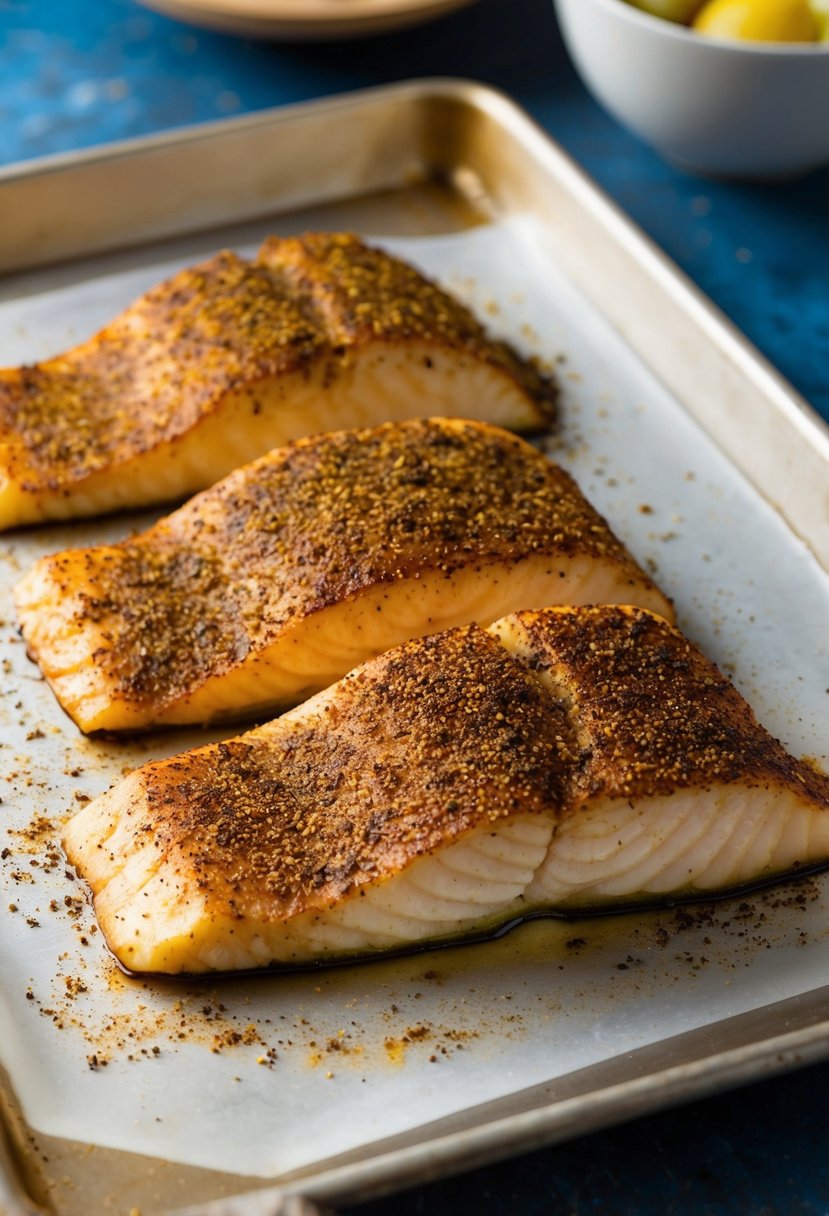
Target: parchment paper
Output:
{"points": [[262, 1076]]}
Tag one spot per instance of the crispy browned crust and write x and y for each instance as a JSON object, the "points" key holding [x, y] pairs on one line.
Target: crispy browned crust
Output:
{"points": [[310, 526], [362, 294], [168, 361], [441, 736], [652, 715], [429, 741], [154, 372]]}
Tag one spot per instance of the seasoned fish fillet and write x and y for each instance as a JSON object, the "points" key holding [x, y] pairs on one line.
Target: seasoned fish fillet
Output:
{"points": [[279, 580], [564, 759], [678, 789], [232, 358]]}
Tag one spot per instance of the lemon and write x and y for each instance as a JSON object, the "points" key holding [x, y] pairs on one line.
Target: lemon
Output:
{"points": [[671, 10], [821, 10], [759, 20]]}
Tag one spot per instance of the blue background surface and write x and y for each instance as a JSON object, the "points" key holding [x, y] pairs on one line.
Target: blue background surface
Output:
{"points": [[74, 73]]}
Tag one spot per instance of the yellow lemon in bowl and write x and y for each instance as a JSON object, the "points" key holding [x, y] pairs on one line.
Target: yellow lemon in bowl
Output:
{"points": [[759, 20], [680, 11], [821, 10]]}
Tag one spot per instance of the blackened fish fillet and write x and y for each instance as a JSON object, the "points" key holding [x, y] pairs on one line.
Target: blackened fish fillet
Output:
{"points": [[231, 358], [282, 578], [563, 759]]}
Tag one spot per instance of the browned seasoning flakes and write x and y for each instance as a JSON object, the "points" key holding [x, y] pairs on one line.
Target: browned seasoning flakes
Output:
{"points": [[284, 576], [555, 760], [308, 336]]}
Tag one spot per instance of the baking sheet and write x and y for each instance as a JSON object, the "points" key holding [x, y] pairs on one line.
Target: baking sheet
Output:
{"points": [[269, 1076]]}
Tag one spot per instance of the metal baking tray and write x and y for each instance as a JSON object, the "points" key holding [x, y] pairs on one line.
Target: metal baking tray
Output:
{"points": [[240, 1096]]}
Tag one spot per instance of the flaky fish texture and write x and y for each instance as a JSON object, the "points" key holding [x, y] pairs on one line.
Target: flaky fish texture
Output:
{"points": [[232, 358], [276, 582], [564, 759]]}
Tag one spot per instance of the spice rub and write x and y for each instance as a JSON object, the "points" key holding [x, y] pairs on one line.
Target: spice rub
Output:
{"points": [[290, 572], [678, 790], [231, 358], [563, 759]]}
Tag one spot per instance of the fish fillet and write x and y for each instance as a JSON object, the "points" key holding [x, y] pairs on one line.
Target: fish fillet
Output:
{"points": [[285, 576], [231, 358], [564, 759]]}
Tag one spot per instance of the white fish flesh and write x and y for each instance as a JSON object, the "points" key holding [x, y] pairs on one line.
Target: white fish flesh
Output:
{"points": [[231, 358], [565, 759], [276, 582]]}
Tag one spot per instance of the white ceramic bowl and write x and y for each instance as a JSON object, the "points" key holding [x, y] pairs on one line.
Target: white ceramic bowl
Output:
{"points": [[724, 108]]}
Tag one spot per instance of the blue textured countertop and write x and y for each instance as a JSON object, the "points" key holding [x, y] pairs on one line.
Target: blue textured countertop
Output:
{"points": [[74, 73]]}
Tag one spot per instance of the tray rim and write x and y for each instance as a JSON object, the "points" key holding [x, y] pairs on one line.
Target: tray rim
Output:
{"points": [[717, 1071], [489, 1141], [198, 132]]}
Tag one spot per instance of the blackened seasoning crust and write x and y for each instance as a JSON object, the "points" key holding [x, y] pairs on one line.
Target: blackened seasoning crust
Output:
{"points": [[653, 715], [562, 760], [311, 528], [434, 739], [244, 344]]}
